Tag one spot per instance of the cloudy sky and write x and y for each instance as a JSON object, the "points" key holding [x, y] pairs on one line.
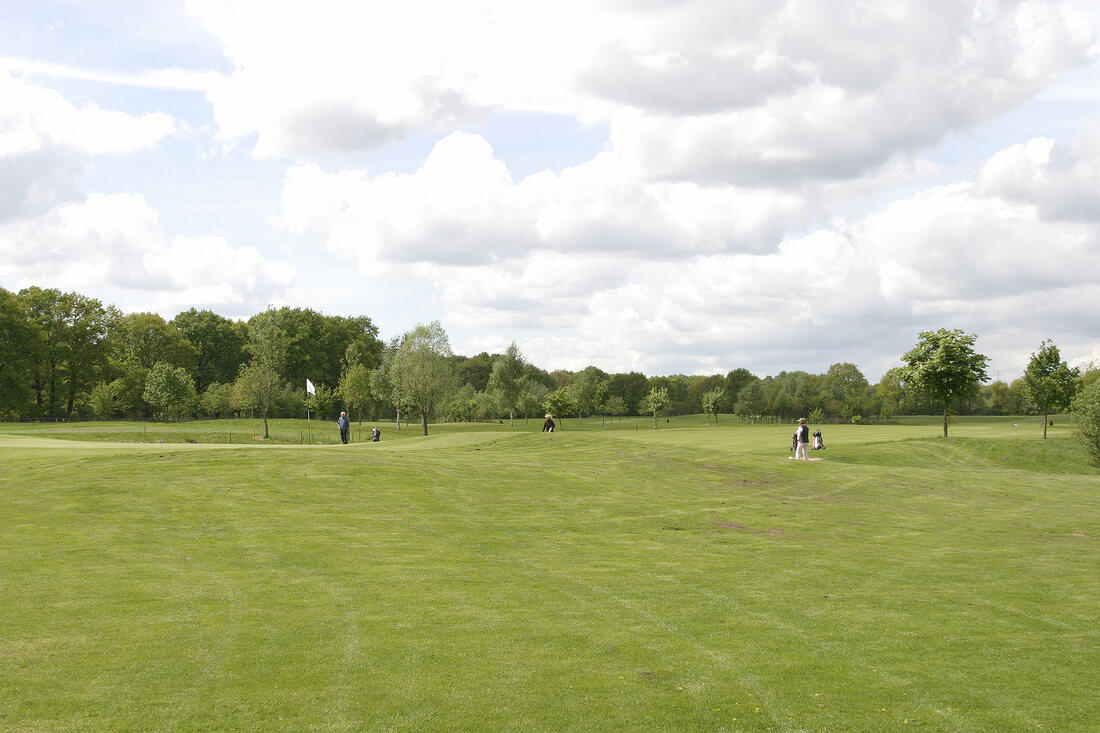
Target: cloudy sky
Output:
{"points": [[668, 186]]}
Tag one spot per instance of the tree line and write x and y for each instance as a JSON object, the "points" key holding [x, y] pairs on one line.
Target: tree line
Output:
{"points": [[65, 355]]}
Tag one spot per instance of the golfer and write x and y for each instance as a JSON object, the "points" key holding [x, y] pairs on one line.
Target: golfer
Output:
{"points": [[345, 425], [801, 440]]}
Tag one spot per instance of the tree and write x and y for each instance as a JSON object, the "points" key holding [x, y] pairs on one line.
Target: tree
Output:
{"points": [[1048, 382], [506, 380], [355, 389], [657, 403], [322, 402], [616, 407], [532, 393], [261, 380], [846, 384], [711, 401], [1085, 410], [217, 399], [751, 401], [146, 338], [559, 402], [71, 345], [630, 387], [737, 380], [421, 372], [945, 365], [169, 388], [891, 388], [17, 348], [218, 345], [583, 388], [474, 370], [103, 399]]}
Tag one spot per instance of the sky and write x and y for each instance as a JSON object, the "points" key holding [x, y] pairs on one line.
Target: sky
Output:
{"points": [[663, 186]]}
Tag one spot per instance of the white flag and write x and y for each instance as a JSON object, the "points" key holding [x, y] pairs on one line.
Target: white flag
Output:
{"points": [[310, 389]]}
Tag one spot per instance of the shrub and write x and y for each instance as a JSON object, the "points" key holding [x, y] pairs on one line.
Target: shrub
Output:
{"points": [[1086, 414]]}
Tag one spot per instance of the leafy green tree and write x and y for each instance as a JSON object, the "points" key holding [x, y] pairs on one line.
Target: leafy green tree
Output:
{"points": [[700, 385], [463, 405], [355, 389], [630, 387], [657, 403], [506, 380], [599, 402], [945, 365], [382, 383], [71, 349], [532, 393], [615, 406], [737, 380], [1085, 411], [559, 402], [583, 388], [847, 386], [891, 389], [711, 400], [261, 381], [170, 389], [146, 338], [1049, 383], [316, 346], [103, 399], [18, 348], [322, 402], [217, 399], [474, 370], [218, 345], [751, 402], [421, 373]]}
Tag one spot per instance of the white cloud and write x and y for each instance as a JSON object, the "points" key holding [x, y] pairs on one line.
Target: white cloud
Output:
{"points": [[33, 118], [114, 244], [597, 267], [734, 92], [1060, 179], [47, 142]]}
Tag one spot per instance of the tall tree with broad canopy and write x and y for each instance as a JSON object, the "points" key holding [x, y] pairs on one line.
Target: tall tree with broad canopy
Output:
{"points": [[421, 371], [583, 388], [145, 339], [17, 349], [945, 365], [506, 380], [217, 343], [1049, 383]]}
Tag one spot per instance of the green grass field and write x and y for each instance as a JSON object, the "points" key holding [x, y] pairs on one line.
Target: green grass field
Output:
{"points": [[492, 577]]}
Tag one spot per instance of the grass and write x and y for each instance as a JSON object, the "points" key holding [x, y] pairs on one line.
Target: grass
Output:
{"points": [[496, 578]]}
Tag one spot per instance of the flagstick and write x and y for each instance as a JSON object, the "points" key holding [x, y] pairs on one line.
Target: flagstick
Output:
{"points": [[309, 430]]}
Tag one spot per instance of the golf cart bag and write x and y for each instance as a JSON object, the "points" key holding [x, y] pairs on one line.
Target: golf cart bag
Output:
{"points": [[819, 444]]}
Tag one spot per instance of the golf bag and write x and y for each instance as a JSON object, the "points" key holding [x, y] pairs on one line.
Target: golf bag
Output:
{"points": [[819, 444]]}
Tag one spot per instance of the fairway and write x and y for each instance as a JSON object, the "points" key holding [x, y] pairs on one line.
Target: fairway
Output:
{"points": [[492, 577]]}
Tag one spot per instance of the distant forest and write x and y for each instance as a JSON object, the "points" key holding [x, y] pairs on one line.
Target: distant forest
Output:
{"points": [[65, 355]]}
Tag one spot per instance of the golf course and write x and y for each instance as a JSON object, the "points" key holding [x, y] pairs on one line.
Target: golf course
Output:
{"points": [[605, 577]]}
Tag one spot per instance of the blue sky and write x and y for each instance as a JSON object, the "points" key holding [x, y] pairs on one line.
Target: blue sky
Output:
{"points": [[668, 187]]}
